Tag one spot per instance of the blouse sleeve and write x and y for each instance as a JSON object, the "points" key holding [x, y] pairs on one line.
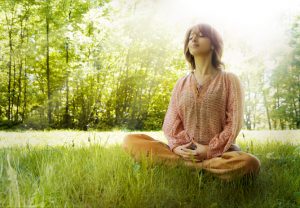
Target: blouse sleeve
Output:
{"points": [[222, 141], [173, 126]]}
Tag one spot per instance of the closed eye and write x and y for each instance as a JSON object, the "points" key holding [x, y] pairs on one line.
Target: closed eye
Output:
{"points": [[198, 35]]}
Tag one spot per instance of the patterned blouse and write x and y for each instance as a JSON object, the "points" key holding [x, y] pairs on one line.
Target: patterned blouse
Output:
{"points": [[210, 114]]}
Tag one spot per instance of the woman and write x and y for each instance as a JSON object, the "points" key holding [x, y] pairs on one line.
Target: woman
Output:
{"points": [[204, 116]]}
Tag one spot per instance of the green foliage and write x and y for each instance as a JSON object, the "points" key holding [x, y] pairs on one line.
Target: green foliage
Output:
{"points": [[85, 64], [95, 76]]}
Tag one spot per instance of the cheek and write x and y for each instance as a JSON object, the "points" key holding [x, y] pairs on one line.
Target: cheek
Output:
{"points": [[204, 43]]}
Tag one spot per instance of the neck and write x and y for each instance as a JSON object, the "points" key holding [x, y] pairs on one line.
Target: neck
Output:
{"points": [[203, 64]]}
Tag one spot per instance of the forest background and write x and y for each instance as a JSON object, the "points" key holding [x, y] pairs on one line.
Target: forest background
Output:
{"points": [[78, 64]]}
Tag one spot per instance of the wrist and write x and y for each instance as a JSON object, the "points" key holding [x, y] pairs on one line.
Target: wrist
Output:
{"points": [[206, 151]]}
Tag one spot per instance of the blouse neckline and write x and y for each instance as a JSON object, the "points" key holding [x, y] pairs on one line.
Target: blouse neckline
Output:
{"points": [[198, 86]]}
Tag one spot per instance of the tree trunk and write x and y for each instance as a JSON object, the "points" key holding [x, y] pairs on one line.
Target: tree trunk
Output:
{"points": [[48, 73], [8, 114], [20, 71], [267, 110]]}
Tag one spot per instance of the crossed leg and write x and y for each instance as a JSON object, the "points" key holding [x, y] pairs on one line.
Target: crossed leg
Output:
{"points": [[230, 165]]}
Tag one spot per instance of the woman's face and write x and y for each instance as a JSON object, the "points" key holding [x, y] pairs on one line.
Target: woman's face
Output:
{"points": [[198, 44]]}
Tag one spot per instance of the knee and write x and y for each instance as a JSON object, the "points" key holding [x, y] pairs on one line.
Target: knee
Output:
{"points": [[127, 140], [253, 164], [130, 139]]}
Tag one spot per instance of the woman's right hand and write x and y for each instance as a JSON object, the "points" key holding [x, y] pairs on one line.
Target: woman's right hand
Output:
{"points": [[184, 152]]}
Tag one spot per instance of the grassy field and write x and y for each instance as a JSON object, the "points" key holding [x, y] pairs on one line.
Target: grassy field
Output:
{"points": [[83, 138], [97, 176]]}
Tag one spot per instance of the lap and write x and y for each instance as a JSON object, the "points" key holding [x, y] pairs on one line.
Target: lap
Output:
{"points": [[140, 138], [146, 142]]}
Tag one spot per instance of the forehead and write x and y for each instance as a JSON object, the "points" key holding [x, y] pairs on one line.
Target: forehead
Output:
{"points": [[195, 30]]}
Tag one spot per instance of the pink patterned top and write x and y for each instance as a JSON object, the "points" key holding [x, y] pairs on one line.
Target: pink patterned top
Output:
{"points": [[211, 114]]}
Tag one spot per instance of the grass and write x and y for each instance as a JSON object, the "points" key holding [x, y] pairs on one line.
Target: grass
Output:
{"points": [[96, 176]]}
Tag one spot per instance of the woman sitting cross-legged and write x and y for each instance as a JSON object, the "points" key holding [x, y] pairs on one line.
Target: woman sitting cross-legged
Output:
{"points": [[204, 116]]}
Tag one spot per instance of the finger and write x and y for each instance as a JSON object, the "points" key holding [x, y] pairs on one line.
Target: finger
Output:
{"points": [[191, 157], [188, 154], [184, 149], [186, 145], [198, 157], [188, 150], [199, 147], [198, 144]]}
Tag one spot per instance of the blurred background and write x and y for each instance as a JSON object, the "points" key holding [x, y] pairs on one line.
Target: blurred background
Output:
{"points": [[103, 65]]}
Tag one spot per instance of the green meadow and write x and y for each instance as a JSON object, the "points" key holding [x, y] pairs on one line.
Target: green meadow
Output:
{"points": [[95, 175]]}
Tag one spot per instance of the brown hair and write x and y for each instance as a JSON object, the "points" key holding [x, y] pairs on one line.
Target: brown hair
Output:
{"points": [[216, 41]]}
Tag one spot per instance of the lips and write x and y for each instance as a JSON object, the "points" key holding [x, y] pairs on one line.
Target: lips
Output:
{"points": [[195, 45]]}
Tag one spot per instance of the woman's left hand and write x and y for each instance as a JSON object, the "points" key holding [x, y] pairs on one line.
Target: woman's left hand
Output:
{"points": [[200, 152]]}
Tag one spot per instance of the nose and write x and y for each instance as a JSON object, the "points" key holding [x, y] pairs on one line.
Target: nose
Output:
{"points": [[194, 39]]}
